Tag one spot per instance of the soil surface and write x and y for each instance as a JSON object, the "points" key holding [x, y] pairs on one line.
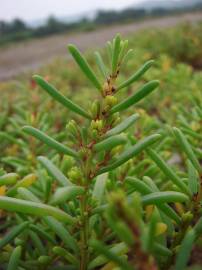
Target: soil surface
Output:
{"points": [[24, 56]]}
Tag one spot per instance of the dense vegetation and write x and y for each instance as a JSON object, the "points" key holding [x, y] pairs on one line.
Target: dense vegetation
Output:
{"points": [[99, 175], [17, 30]]}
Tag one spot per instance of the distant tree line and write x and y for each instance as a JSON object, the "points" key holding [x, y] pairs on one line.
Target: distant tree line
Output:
{"points": [[18, 30]]}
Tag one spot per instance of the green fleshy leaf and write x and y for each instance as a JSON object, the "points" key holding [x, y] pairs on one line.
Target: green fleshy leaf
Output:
{"points": [[136, 97], [54, 171], [14, 258], [186, 147], [164, 197], [122, 126], [131, 152], [109, 143], [54, 93], [185, 250], [84, 66], [137, 75], [49, 141], [10, 236], [33, 208], [168, 171]]}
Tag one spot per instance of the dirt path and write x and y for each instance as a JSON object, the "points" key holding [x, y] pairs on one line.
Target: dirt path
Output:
{"points": [[32, 54]]}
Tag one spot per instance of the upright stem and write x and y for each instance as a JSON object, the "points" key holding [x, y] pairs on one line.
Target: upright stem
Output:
{"points": [[84, 232]]}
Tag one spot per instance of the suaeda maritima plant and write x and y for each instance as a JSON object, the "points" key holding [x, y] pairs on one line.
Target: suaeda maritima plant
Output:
{"points": [[90, 218]]}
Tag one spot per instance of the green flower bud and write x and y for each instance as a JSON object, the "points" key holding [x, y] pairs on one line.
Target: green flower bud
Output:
{"points": [[110, 100], [187, 217], [113, 119], [72, 128], [75, 175], [97, 125], [95, 109]]}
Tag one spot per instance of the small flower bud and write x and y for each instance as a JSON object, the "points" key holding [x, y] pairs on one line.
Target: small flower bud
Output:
{"points": [[72, 128], [75, 175], [95, 109], [110, 100]]}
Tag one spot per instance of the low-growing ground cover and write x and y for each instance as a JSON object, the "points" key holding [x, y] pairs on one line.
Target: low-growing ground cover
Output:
{"points": [[107, 176]]}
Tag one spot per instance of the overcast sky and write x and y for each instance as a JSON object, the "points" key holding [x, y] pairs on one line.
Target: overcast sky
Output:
{"points": [[38, 9]]}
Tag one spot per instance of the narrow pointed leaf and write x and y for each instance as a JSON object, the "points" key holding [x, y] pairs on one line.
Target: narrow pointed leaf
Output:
{"points": [[109, 254], [109, 143], [186, 147], [162, 250], [115, 53], [136, 97], [8, 179], [84, 66], [123, 50], [14, 259], [53, 92], [164, 197], [127, 56], [144, 189], [37, 243], [122, 126], [198, 228], [193, 178], [131, 152], [62, 232], [137, 75], [99, 188], [138, 185], [185, 250], [118, 249], [33, 208], [13, 233], [26, 194], [54, 171], [64, 194], [168, 171], [101, 65], [151, 232], [41, 232], [67, 255], [49, 141]]}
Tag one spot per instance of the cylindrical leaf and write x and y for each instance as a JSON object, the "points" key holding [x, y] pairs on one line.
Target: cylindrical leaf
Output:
{"points": [[109, 255], [137, 75], [53, 92], [131, 152], [49, 141], [185, 250], [101, 64], [168, 171], [115, 53], [193, 178], [109, 143], [136, 97], [14, 259], [62, 232], [122, 126], [186, 147], [64, 194], [164, 197], [13, 233], [84, 66], [33, 208], [8, 179], [54, 171]]}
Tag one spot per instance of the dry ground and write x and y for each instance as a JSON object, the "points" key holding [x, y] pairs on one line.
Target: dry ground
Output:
{"points": [[31, 54]]}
